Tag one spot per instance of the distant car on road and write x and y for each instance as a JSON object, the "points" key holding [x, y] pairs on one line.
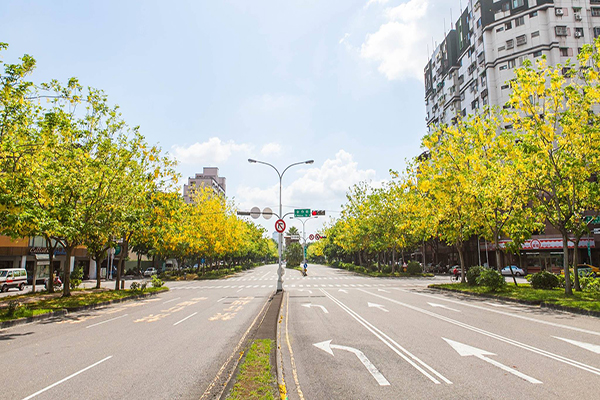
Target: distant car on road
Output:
{"points": [[150, 271], [516, 270]]}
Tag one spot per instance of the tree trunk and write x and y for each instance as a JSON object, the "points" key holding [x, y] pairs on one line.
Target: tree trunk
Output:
{"points": [[67, 272], [575, 262], [99, 260], [33, 281], [50, 285], [498, 253], [124, 250], [359, 259], [394, 260], [565, 239], [459, 248]]}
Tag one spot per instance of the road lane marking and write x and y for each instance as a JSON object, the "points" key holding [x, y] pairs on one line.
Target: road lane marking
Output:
{"points": [[168, 301], [465, 351], [327, 347], [239, 290], [462, 303], [382, 290], [309, 305], [391, 343], [221, 299], [515, 343], [189, 316], [588, 346], [287, 339], [442, 306], [382, 308], [66, 379], [343, 290], [108, 320]]}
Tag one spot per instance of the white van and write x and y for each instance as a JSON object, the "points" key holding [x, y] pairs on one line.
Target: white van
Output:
{"points": [[13, 277]]}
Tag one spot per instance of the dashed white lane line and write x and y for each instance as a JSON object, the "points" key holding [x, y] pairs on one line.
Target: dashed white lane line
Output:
{"points": [[108, 320], [66, 379], [221, 299], [189, 316], [168, 301]]}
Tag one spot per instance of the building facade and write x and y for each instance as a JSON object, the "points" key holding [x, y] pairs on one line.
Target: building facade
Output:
{"points": [[473, 64], [209, 178], [472, 68]]}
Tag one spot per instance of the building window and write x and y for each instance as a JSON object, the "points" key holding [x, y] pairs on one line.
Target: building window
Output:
{"points": [[507, 25], [500, 29], [596, 31], [474, 104], [501, 48], [521, 40], [537, 53], [511, 63], [518, 3], [520, 21], [479, 23], [535, 34], [503, 67], [504, 87], [505, 7], [560, 30], [564, 52], [533, 14], [578, 32], [595, 11], [510, 44], [461, 79]]}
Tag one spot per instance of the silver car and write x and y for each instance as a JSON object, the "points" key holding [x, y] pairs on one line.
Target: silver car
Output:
{"points": [[516, 271]]}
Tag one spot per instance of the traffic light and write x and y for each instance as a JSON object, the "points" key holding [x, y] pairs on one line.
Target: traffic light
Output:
{"points": [[316, 213]]}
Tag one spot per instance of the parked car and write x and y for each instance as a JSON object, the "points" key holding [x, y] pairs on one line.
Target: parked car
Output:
{"points": [[150, 271], [13, 278], [595, 270], [584, 270], [516, 270]]}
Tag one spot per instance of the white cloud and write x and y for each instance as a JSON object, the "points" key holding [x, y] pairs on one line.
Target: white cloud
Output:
{"points": [[213, 151], [271, 149], [375, 2], [398, 46]]}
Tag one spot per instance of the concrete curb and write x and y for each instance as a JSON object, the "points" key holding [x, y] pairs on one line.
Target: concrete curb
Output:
{"points": [[542, 304], [63, 312]]}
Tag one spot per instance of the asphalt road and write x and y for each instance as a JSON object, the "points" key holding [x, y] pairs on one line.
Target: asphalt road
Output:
{"points": [[170, 346], [345, 336]]}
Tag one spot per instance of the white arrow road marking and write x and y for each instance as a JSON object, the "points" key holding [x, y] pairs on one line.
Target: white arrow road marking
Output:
{"points": [[466, 351], [588, 346], [343, 290], [327, 347], [559, 358], [382, 290], [382, 308], [309, 305], [442, 306]]}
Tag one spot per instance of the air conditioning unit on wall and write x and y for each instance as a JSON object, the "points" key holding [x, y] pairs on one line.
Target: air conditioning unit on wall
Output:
{"points": [[558, 11], [577, 17], [577, 34]]}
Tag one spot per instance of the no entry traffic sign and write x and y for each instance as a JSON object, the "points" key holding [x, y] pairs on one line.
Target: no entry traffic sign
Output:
{"points": [[311, 236], [280, 225], [318, 237]]}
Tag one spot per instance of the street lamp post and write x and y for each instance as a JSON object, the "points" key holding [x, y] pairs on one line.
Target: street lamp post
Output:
{"points": [[304, 237], [280, 269]]}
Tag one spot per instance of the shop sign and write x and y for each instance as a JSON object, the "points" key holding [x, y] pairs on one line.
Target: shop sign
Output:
{"points": [[44, 250], [547, 244]]}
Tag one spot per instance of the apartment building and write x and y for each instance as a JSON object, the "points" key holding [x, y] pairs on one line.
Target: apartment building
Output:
{"points": [[472, 66], [208, 178], [475, 61]]}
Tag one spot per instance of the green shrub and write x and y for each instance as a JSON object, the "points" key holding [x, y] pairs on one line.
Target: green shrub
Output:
{"points": [[134, 286], [590, 284], [414, 268], [13, 306], [473, 273], [76, 277], [143, 286], [491, 279], [156, 281], [544, 280]]}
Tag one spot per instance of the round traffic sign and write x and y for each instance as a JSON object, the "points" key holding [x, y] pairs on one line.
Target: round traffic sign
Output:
{"points": [[311, 236], [255, 212], [280, 225], [317, 236], [267, 213]]}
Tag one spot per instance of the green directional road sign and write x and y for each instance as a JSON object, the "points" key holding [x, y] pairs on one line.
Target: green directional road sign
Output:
{"points": [[302, 212]]}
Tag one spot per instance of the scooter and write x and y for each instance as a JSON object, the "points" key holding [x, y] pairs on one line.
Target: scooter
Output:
{"points": [[57, 284]]}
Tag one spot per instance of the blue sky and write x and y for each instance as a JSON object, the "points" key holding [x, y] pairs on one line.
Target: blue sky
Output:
{"points": [[218, 82]]}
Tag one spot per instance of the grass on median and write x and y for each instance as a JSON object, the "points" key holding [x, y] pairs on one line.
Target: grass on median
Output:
{"points": [[255, 380], [583, 300], [41, 303]]}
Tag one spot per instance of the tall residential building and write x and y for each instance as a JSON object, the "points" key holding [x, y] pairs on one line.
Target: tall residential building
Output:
{"points": [[209, 178], [474, 63]]}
